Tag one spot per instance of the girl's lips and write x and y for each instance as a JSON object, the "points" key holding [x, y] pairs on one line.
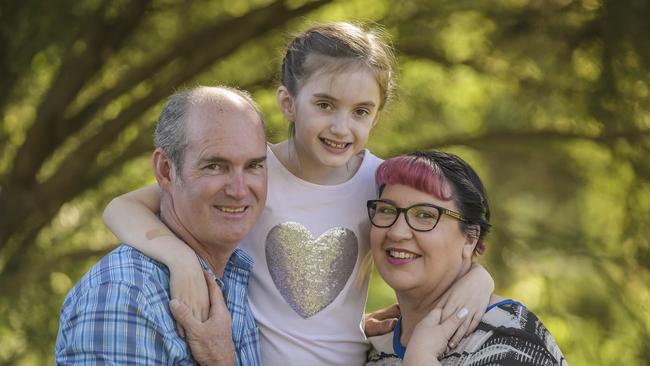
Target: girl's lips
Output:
{"points": [[335, 147]]}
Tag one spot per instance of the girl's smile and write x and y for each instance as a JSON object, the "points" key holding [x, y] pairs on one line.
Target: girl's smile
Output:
{"points": [[333, 114]]}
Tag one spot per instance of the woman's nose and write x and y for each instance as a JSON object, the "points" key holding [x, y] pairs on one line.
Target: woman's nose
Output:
{"points": [[400, 230]]}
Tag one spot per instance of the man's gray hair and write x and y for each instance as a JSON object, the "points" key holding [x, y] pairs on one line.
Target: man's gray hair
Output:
{"points": [[170, 128]]}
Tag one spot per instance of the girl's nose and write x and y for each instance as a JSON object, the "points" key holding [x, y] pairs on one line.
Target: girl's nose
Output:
{"points": [[339, 125]]}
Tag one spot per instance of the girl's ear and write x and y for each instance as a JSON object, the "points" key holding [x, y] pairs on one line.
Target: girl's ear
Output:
{"points": [[471, 239], [286, 103]]}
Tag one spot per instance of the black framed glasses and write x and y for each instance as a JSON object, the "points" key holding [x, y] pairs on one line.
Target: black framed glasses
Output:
{"points": [[420, 217]]}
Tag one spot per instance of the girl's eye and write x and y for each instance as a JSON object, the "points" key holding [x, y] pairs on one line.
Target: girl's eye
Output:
{"points": [[324, 105], [362, 112]]}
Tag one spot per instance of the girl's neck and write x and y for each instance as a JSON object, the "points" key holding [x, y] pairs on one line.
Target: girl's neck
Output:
{"points": [[312, 171]]}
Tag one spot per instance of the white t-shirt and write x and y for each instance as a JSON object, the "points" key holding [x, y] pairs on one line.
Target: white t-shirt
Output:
{"points": [[307, 290]]}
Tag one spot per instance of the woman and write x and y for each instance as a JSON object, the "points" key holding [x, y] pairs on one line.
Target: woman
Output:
{"points": [[431, 218]]}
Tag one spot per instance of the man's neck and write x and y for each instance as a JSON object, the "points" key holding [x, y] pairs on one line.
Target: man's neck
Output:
{"points": [[215, 256]]}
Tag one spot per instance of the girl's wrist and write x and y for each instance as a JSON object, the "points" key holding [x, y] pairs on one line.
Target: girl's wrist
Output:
{"points": [[179, 255]]}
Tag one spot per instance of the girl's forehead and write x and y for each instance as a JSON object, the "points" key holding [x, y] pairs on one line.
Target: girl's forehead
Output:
{"points": [[358, 84]]}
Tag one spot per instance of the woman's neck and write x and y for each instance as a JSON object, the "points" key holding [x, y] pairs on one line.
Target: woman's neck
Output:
{"points": [[312, 171], [417, 303]]}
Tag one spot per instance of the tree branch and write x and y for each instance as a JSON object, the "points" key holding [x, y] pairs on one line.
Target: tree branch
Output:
{"points": [[102, 38], [519, 137]]}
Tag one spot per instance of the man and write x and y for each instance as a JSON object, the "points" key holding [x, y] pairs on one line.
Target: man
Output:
{"points": [[209, 164]]}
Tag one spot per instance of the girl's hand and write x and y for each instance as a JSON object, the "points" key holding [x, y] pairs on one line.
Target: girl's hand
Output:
{"points": [[210, 340], [430, 337], [381, 321], [188, 284], [472, 292]]}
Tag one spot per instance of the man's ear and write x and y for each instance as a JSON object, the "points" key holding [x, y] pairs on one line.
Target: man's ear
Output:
{"points": [[471, 239], [163, 169], [286, 103]]}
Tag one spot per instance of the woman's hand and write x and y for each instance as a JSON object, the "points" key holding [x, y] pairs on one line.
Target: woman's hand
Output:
{"points": [[430, 337], [188, 284], [471, 292], [210, 340]]}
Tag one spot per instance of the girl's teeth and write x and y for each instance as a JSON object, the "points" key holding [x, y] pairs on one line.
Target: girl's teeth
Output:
{"points": [[334, 144], [402, 255]]}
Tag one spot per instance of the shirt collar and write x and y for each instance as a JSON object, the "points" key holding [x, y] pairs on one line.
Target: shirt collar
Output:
{"points": [[238, 259]]}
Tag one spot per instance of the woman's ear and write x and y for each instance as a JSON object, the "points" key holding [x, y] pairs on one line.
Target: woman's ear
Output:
{"points": [[286, 103], [471, 239]]}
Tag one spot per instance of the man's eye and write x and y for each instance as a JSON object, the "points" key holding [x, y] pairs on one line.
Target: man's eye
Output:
{"points": [[213, 167]]}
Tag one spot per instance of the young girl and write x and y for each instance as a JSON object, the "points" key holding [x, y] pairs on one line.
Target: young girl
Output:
{"points": [[308, 289]]}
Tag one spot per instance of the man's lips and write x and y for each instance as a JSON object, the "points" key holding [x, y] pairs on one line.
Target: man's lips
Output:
{"points": [[232, 209]]}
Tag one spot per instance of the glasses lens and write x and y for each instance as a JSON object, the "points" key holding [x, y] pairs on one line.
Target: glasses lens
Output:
{"points": [[384, 214], [423, 217]]}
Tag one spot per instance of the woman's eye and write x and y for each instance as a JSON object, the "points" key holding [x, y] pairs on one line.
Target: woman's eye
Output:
{"points": [[425, 215], [386, 210]]}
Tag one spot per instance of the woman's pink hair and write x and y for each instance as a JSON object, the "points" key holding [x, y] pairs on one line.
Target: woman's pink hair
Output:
{"points": [[414, 172]]}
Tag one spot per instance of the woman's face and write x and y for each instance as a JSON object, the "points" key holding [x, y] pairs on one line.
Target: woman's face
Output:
{"points": [[427, 262]]}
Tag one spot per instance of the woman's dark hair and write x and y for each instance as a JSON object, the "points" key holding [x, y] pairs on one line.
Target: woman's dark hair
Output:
{"points": [[446, 177]]}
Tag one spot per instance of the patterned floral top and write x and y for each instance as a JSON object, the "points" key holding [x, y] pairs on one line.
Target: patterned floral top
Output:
{"points": [[509, 334]]}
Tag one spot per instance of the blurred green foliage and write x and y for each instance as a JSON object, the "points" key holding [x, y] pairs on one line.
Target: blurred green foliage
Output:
{"points": [[547, 99]]}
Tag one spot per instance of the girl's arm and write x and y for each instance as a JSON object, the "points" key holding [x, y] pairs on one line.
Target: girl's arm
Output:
{"points": [[472, 292], [132, 218]]}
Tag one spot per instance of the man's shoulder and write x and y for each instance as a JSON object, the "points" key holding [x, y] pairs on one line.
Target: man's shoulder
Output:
{"points": [[124, 266]]}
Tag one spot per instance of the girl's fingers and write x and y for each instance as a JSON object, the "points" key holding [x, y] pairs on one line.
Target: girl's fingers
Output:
{"points": [[387, 313]]}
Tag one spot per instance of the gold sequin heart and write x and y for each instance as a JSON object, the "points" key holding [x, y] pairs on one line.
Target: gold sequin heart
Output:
{"points": [[310, 273]]}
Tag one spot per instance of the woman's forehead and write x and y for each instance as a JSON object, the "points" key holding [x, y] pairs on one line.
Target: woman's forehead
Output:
{"points": [[405, 195]]}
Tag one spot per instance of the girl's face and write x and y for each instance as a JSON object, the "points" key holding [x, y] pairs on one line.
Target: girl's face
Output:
{"points": [[333, 114], [425, 262]]}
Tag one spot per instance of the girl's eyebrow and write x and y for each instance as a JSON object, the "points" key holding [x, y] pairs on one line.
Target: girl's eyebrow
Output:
{"points": [[327, 96]]}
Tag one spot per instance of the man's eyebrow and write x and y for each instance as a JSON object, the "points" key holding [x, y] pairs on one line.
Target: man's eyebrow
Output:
{"points": [[213, 159], [261, 159]]}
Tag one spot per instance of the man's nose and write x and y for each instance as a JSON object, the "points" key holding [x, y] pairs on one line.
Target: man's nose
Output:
{"points": [[236, 187]]}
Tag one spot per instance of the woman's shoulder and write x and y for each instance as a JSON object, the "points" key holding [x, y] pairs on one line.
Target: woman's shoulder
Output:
{"points": [[508, 331]]}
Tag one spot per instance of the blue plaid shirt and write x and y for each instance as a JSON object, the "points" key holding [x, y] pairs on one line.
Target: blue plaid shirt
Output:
{"points": [[118, 314]]}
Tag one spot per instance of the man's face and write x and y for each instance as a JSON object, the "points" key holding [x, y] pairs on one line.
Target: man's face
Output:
{"points": [[221, 189]]}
